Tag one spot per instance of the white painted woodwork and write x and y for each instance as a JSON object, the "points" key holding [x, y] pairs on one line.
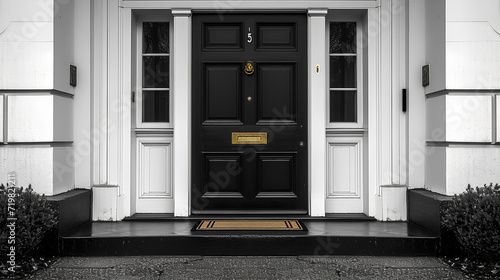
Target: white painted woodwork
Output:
{"points": [[99, 92], [399, 82], [249, 4], [181, 91], [114, 131], [154, 175], [104, 203], [373, 65], [48, 169], [317, 91], [451, 168], [39, 118], [124, 110], [460, 118], [361, 41], [415, 162], [345, 188]]}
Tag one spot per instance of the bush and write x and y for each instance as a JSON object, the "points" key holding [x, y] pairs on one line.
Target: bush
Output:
{"points": [[474, 218], [35, 217]]}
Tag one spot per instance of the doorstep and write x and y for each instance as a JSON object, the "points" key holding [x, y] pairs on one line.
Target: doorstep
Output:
{"points": [[174, 237]]}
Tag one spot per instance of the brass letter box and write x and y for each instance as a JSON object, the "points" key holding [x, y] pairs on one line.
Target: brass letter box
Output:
{"points": [[251, 138]]}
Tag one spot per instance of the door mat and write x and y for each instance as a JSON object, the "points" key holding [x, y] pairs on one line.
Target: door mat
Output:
{"points": [[249, 225]]}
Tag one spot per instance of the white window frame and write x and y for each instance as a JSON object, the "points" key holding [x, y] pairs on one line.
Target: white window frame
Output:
{"points": [[139, 124], [360, 44]]}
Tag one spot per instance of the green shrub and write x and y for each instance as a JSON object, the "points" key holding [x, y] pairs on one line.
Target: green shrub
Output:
{"points": [[35, 217], [474, 218]]}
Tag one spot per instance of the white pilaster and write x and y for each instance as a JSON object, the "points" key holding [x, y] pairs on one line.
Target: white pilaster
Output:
{"points": [[317, 109], [181, 95], [373, 105]]}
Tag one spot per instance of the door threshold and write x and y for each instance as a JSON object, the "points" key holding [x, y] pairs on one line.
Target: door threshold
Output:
{"points": [[329, 217]]}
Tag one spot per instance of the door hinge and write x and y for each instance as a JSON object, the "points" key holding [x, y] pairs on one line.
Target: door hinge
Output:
{"points": [[403, 99], [133, 96]]}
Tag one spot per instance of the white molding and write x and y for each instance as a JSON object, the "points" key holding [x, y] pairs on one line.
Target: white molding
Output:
{"points": [[398, 9], [181, 96], [352, 201], [373, 20], [125, 114], [317, 86], [157, 202], [250, 4], [385, 101], [360, 87], [114, 94], [99, 92], [164, 17]]}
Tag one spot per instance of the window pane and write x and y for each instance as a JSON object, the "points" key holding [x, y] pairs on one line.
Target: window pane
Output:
{"points": [[155, 72], [343, 72], [343, 106], [155, 106], [343, 37], [155, 37]]}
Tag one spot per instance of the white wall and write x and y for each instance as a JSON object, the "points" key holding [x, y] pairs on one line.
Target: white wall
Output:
{"points": [[36, 48], [45, 167], [451, 169], [435, 44], [461, 124], [26, 48], [460, 118], [473, 44], [83, 133], [64, 18], [416, 94], [39, 118]]}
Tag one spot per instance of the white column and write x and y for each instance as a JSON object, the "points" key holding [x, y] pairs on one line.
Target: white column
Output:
{"points": [[373, 105], [181, 94], [317, 109]]}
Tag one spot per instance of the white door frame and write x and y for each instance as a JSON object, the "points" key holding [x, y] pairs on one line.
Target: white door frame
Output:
{"points": [[114, 158]]}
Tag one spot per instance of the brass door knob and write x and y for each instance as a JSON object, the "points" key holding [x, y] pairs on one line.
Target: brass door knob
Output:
{"points": [[249, 98]]}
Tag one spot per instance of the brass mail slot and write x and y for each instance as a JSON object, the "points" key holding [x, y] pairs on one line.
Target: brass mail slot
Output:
{"points": [[241, 138]]}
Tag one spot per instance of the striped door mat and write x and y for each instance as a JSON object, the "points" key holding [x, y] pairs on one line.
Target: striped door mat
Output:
{"points": [[249, 225]]}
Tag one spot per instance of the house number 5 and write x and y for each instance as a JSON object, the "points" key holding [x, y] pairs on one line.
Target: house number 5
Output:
{"points": [[249, 40]]}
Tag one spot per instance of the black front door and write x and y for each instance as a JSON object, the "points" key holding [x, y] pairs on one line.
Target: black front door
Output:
{"points": [[249, 121]]}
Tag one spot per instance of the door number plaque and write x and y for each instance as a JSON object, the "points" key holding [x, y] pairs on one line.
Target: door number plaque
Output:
{"points": [[252, 138]]}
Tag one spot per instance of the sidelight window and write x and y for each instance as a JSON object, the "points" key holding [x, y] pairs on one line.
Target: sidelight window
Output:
{"points": [[345, 94], [153, 98]]}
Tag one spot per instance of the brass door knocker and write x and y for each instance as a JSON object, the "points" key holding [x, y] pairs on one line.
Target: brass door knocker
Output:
{"points": [[249, 68]]}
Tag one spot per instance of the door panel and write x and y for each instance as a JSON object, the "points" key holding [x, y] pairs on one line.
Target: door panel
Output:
{"points": [[223, 92], [276, 175], [227, 36], [276, 36], [276, 84], [270, 100]]}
